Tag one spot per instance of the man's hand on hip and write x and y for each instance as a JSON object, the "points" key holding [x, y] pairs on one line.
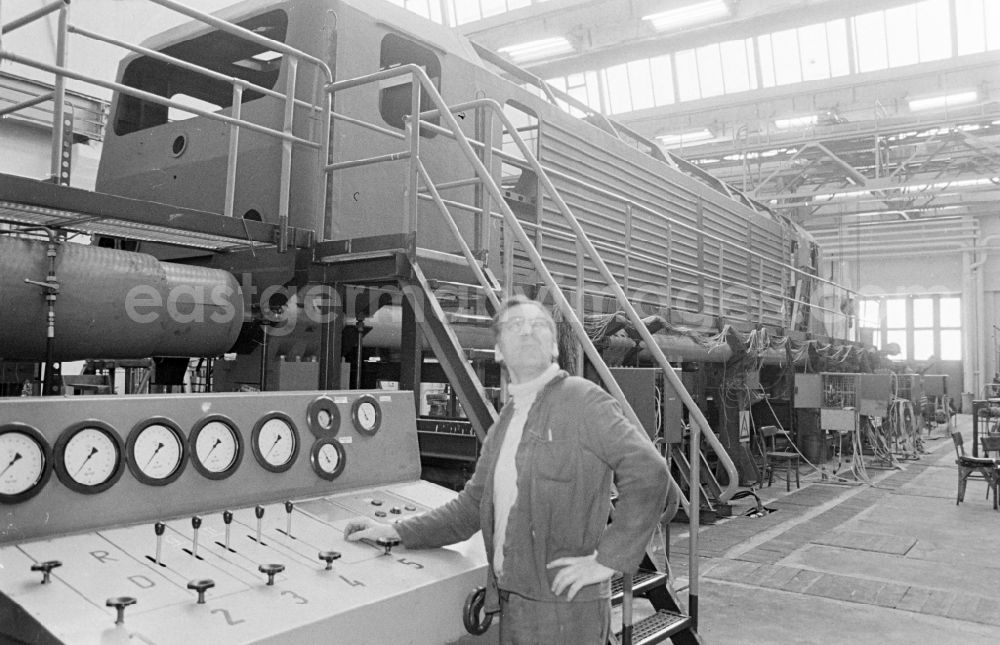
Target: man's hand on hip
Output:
{"points": [[577, 573]]}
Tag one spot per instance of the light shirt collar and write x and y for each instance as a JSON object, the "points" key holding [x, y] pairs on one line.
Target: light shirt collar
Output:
{"points": [[527, 390]]}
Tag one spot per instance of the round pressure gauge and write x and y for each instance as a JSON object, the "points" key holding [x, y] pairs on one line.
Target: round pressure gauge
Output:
{"points": [[366, 414], [25, 463], [155, 451], [323, 417], [328, 458], [275, 442], [88, 457], [216, 447]]}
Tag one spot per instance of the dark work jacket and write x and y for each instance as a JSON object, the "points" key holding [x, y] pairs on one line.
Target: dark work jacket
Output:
{"points": [[575, 438]]}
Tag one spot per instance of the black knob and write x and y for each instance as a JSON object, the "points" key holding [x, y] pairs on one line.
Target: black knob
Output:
{"points": [[227, 517], [379, 513], [200, 586], [376, 502], [258, 512], [120, 603], [410, 507], [196, 522], [271, 570], [159, 528], [329, 557], [288, 507], [46, 568], [387, 542], [395, 510]]}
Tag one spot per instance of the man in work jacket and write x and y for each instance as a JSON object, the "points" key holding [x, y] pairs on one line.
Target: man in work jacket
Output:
{"points": [[541, 494]]}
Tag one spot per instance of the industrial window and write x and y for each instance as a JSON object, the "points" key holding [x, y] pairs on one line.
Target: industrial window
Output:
{"points": [[471, 10], [808, 53], [430, 9], [217, 51], [976, 22], [923, 327], [906, 35], [396, 93]]}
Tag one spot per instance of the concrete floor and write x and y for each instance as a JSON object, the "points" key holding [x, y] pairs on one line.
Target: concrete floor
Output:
{"points": [[892, 562]]}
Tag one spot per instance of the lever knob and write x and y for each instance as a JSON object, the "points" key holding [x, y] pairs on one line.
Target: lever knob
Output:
{"points": [[196, 522], [329, 557], [271, 570], [159, 528], [289, 506], [201, 586], [227, 517], [258, 512], [120, 603], [46, 568], [388, 543]]}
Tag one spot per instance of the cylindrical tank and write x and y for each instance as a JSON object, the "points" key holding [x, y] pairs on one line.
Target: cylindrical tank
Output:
{"points": [[113, 304]]}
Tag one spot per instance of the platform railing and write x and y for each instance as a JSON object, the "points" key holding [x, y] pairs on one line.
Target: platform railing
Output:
{"points": [[420, 83], [318, 109]]}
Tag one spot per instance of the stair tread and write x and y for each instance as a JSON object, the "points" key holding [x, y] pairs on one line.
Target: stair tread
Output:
{"points": [[642, 581], [658, 627]]}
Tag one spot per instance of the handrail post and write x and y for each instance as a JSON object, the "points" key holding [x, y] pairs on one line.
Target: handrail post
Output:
{"points": [[59, 176], [694, 520], [234, 148], [579, 299], [412, 204], [284, 196]]}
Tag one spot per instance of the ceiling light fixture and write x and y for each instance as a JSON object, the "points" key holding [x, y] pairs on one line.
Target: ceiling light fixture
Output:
{"points": [[943, 101], [796, 122], [682, 138], [534, 49], [692, 14]]}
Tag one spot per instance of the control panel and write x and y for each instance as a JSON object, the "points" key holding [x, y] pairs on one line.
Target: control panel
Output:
{"points": [[220, 518]]}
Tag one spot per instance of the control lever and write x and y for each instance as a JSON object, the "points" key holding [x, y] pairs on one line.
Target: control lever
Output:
{"points": [[46, 569], [271, 570], [201, 586], [159, 529], [227, 519], [120, 603], [387, 543], [259, 513], [195, 524], [329, 557], [288, 524]]}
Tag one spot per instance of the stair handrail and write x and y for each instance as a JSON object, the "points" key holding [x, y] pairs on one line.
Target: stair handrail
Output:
{"points": [[442, 110], [486, 178], [609, 278]]}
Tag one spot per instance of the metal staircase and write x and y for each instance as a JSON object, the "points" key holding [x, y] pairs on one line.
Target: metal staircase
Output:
{"points": [[433, 322]]}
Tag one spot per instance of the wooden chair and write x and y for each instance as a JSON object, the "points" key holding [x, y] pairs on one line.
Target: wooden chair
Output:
{"points": [[977, 467], [991, 445], [775, 457]]}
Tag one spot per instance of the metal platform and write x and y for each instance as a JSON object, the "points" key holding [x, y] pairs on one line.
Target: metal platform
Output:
{"points": [[29, 202]]}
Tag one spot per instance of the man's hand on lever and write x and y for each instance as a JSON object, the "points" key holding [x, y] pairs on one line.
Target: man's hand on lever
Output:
{"points": [[365, 529]]}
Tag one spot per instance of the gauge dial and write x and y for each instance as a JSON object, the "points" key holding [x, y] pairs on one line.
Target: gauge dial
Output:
{"points": [[89, 457], [366, 414], [323, 417], [275, 442], [328, 458], [25, 463], [216, 447], [156, 451]]}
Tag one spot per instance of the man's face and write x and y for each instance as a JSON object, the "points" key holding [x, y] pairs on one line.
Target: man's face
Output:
{"points": [[527, 342]]}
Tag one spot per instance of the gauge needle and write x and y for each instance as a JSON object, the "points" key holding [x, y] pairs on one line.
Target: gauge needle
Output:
{"points": [[153, 456], [214, 446], [93, 451], [276, 440], [17, 456]]}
